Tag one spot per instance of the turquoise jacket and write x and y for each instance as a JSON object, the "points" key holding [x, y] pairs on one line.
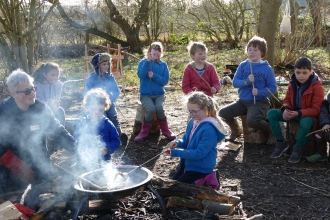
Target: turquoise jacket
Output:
{"points": [[155, 85], [200, 153], [106, 82]]}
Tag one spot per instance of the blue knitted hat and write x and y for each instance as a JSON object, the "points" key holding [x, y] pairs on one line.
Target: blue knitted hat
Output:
{"points": [[99, 58]]}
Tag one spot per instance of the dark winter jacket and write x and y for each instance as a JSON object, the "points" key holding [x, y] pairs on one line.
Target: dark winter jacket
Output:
{"points": [[324, 117], [25, 133]]}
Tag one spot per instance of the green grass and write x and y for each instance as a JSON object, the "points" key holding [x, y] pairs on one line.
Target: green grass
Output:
{"points": [[177, 61]]}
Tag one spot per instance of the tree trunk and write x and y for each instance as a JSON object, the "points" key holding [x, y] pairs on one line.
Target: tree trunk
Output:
{"points": [[268, 22], [314, 8]]}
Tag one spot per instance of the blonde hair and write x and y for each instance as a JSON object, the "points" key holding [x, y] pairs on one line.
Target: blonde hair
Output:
{"points": [[197, 45], [202, 101], [97, 96]]}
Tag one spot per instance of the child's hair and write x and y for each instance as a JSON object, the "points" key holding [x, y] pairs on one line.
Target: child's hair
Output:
{"points": [[100, 58], [202, 101], [156, 46], [194, 46], [38, 75], [303, 63], [259, 42], [97, 96]]}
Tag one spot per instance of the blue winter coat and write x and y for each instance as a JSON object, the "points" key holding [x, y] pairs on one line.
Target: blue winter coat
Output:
{"points": [[201, 153], [106, 82], [263, 77], [104, 135], [155, 85]]}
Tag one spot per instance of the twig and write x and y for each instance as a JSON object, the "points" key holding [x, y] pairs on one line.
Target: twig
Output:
{"points": [[314, 132], [274, 96], [311, 186], [82, 178]]}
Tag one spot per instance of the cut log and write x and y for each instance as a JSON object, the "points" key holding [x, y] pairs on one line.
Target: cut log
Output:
{"points": [[217, 207], [139, 118], [253, 136], [291, 135], [183, 202], [173, 188]]}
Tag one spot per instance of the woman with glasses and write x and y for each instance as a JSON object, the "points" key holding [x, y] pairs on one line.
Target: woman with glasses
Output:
{"points": [[25, 125], [154, 76], [197, 148]]}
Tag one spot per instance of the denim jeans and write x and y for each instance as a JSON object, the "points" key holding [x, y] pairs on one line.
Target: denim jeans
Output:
{"points": [[275, 116]]}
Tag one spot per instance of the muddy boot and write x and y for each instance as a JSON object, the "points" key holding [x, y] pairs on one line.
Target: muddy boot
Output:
{"points": [[236, 130], [144, 131], [271, 138], [165, 130]]}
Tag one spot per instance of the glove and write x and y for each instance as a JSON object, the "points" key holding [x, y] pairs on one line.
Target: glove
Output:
{"points": [[19, 168], [26, 211]]}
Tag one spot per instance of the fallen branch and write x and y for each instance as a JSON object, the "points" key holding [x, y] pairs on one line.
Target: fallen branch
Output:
{"points": [[328, 193]]}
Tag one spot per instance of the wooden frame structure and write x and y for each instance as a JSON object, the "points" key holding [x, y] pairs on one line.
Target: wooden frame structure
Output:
{"points": [[116, 61]]}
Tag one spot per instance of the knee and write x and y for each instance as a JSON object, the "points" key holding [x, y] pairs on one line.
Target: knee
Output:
{"points": [[306, 123], [271, 113]]}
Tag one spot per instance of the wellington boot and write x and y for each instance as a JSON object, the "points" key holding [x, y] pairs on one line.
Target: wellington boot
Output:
{"points": [[144, 131], [165, 130]]}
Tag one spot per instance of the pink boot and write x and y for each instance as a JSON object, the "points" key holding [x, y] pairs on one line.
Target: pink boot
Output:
{"points": [[144, 131], [164, 128]]}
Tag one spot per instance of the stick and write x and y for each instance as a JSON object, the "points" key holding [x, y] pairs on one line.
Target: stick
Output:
{"points": [[274, 96], [310, 186], [254, 97], [82, 178], [314, 132], [145, 163]]}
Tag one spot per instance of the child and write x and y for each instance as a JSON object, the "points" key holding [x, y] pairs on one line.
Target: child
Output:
{"points": [[154, 75], [253, 78], [302, 103], [197, 149], [322, 137], [95, 132], [49, 88], [199, 74], [102, 78]]}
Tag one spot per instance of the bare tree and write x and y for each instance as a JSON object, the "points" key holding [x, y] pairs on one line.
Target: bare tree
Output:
{"points": [[129, 28], [19, 23]]}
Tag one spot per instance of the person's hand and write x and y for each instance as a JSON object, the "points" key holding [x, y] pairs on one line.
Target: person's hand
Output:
{"points": [[168, 151], [150, 74], [19, 168], [214, 90], [172, 144], [251, 78], [255, 91], [326, 128], [285, 114], [104, 151]]}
